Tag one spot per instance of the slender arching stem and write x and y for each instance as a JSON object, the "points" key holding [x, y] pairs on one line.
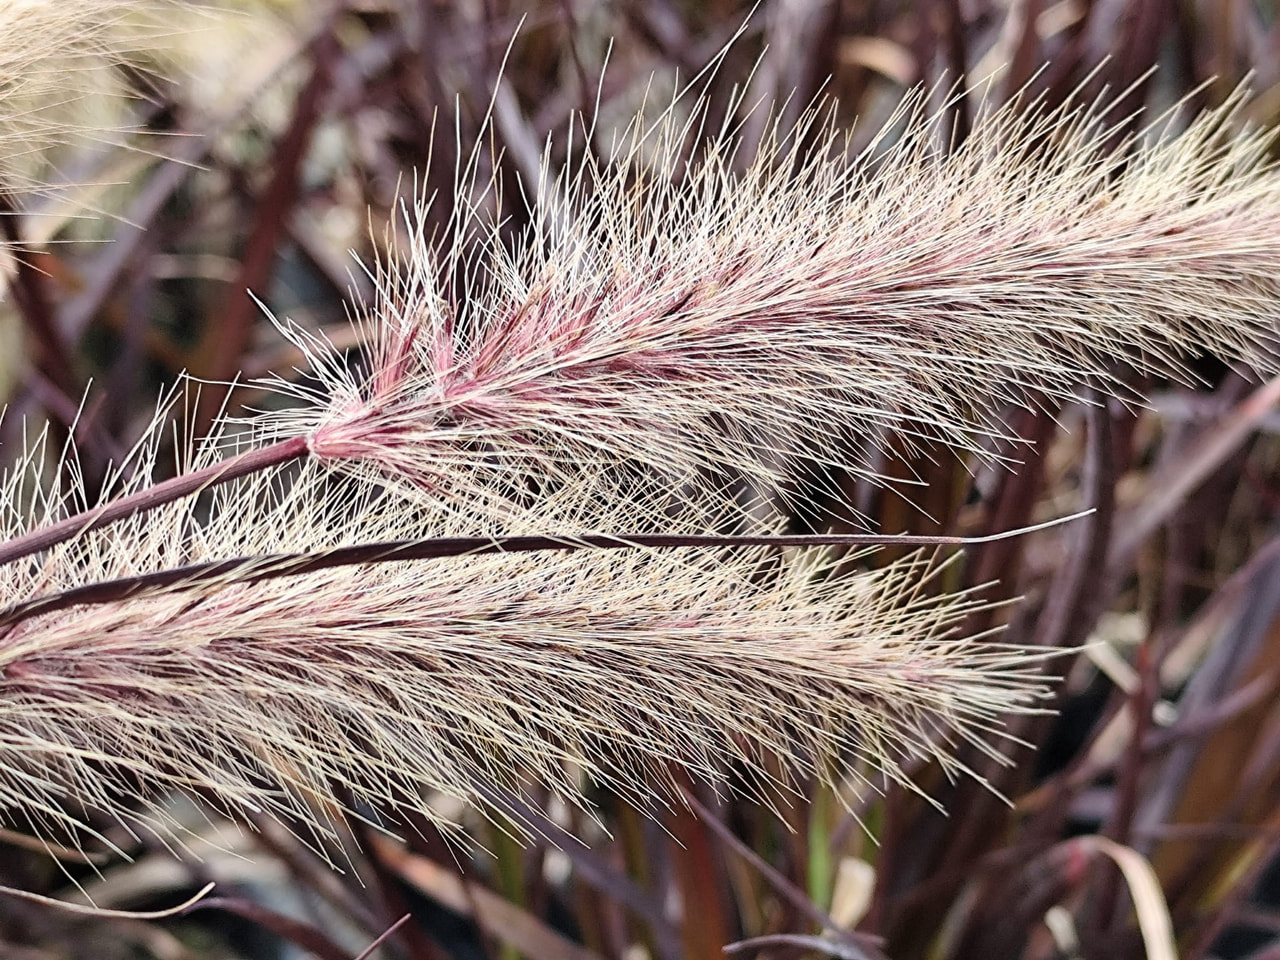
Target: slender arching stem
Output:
{"points": [[154, 496], [274, 566]]}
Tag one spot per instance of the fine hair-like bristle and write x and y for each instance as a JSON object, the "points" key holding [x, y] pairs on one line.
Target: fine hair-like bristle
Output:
{"points": [[685, 321], [681, 315], [468, 676]]}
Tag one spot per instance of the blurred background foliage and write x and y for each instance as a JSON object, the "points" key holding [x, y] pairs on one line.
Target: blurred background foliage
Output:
{"points": [[254, 146]]}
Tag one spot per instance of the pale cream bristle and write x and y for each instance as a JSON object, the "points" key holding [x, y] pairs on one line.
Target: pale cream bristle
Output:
{"points": [[468, 676], [681, 316]]}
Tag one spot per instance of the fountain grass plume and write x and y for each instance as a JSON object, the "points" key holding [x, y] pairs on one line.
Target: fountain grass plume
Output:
{"points": [[55, 57], [394, 683], [662, 327], [669, 310]]}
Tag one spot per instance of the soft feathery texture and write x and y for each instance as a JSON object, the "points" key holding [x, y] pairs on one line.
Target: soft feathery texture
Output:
{"points": [[467, 676], [56, 79], [684, 322], [676, 314]]}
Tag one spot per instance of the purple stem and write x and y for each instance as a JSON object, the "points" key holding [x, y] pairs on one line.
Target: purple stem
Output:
{"points": [[154, 496], [253, 569]]}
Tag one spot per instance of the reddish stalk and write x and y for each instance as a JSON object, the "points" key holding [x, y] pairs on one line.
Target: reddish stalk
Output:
{"points": [[784, 887], [32, 298], [161, 493], [254, 569], [298, 932], [1129, 775]]}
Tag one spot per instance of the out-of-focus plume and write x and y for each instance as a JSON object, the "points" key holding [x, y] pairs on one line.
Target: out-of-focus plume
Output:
{"points": [[56, 77]]}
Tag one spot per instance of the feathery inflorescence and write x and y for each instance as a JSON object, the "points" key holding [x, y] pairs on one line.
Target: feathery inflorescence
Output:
{"points": [[688, 322], [389, 683], [681, 316], [55, 56]]}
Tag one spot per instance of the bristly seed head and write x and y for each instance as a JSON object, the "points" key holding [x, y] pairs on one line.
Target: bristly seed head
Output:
{"points": [[466, 676], [685, 320], [683, 316]]}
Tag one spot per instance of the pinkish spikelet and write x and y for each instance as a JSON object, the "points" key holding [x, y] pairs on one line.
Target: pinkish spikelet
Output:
{"points": [[690, 317]]}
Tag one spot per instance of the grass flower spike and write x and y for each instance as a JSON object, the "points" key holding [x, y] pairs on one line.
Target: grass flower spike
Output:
{"points": [[515, 555], [464, 676], [680, 318], [681, 315]]}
